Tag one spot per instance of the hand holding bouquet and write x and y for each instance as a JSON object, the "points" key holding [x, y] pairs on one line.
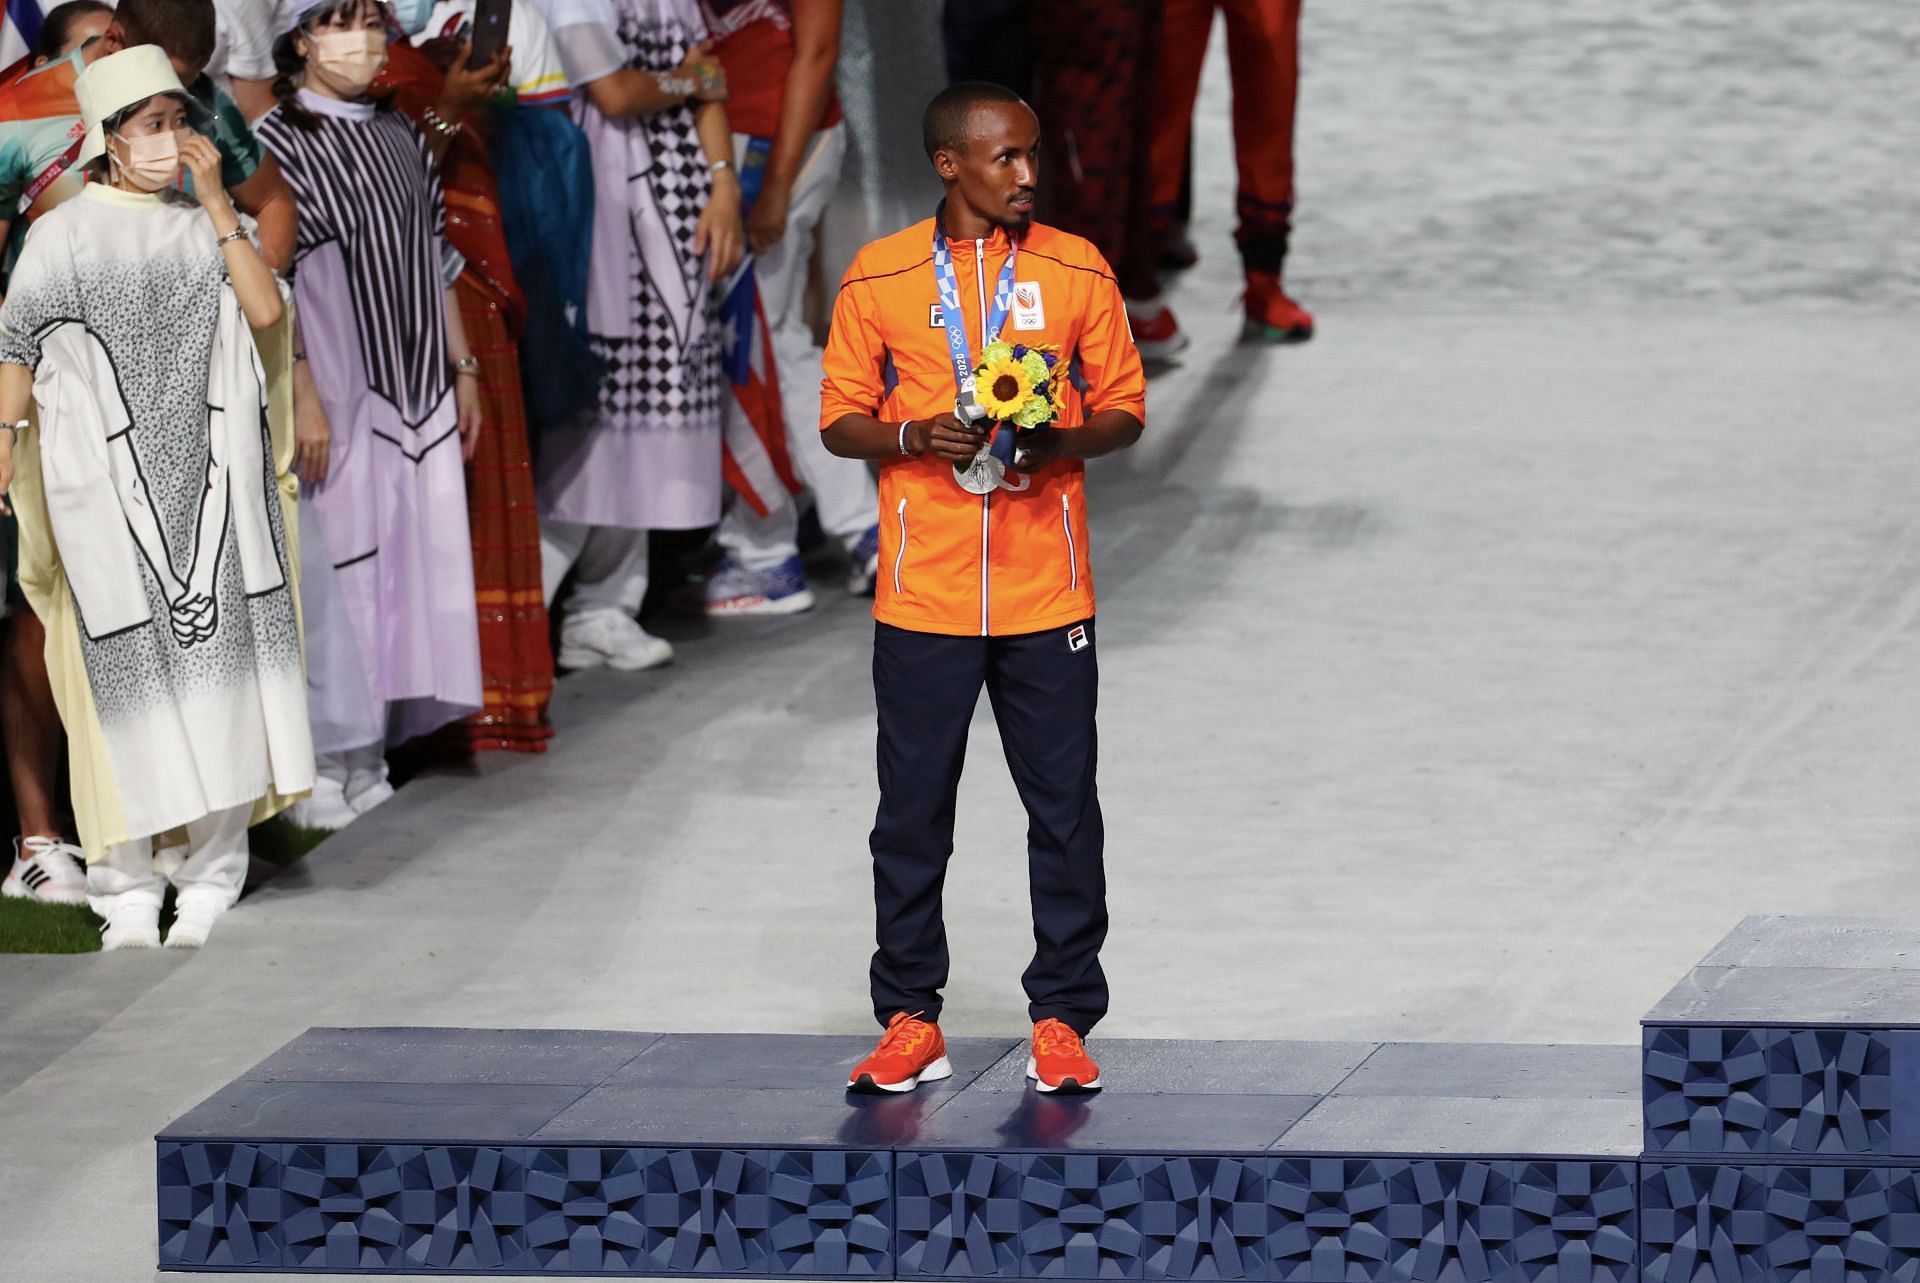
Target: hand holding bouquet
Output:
{"points": [[1020, 389]]}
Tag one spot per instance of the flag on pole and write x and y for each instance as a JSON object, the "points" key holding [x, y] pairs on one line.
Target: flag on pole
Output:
{"points": [[19, 28]]}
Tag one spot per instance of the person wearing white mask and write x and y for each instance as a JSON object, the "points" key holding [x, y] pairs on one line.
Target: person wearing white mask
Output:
{"points": [[155, 535], [374, 277]]}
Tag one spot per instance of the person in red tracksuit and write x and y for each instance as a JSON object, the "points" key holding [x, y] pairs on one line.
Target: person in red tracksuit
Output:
{"points": [[1263, 55]]}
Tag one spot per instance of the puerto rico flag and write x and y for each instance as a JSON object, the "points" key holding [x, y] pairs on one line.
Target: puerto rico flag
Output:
{"points": [[19, 28], [754, 459]]}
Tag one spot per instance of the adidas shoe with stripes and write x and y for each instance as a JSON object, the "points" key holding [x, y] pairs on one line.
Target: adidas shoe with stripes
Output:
{"points": [[47, 870]]}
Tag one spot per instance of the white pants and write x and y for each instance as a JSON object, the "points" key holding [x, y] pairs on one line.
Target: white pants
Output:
{"points": [[609, 565], [843, 489], [214, 866]]}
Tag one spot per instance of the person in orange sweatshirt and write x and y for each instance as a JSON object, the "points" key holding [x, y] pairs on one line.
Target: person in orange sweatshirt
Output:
{"points": [[989, 589]]}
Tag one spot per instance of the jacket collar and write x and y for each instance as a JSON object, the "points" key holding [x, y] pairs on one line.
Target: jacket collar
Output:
{"points": [[997, 243]]}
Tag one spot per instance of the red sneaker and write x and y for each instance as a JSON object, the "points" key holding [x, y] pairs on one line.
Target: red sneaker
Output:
{"points": [[1156, 332], [910, 1052], [1060, 1061], [1271, 315]]}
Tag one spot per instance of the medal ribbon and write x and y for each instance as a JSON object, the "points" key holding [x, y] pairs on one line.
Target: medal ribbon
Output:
{"points": [[954, 320]]}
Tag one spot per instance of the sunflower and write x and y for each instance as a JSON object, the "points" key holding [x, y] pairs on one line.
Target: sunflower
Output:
{"points": [[1003, 386]]}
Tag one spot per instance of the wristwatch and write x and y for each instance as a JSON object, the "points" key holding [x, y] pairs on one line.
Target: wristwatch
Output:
{"points": [[468, 365]]}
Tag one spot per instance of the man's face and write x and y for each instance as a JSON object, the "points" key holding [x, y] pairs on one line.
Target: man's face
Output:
{"points": [[998, 168]]}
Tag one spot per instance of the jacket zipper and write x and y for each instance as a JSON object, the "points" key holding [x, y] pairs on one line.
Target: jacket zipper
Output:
{"points": [[986, 500], [1073, 555], [900, 555]]}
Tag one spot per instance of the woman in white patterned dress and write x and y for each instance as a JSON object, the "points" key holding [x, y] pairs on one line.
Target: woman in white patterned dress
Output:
{"points": [[156, 510], [666, 227]]}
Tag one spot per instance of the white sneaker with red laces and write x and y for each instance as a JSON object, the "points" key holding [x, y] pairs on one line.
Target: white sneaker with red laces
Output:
{"points": [[48, 870]]}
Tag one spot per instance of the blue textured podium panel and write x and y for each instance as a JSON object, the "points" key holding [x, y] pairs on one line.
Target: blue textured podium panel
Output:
{"points": [[1794, 1037], [527, 1152], [1741, 1223], [1766, 1130]]}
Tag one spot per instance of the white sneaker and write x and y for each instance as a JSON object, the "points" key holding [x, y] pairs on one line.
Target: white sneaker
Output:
{"points": [[610, 639], [131, 926], [49, 871], [194, 914], [326, 808]]}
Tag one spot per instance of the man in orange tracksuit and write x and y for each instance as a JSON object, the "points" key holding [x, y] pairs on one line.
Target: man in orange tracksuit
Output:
{"points": [[990, 589]]}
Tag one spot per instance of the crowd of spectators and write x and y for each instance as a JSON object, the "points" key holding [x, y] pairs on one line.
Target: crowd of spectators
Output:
{"points": [[351, 368]]}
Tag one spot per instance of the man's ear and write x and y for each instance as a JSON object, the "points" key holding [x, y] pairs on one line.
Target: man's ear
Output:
{"points": [[946, 164]]}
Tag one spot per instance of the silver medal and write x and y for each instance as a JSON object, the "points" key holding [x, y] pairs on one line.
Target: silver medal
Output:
{"points": [[983, 475]]}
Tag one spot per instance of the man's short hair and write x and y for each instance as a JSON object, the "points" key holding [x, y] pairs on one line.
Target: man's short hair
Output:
{"points": [[945, 124], [184, 28]]}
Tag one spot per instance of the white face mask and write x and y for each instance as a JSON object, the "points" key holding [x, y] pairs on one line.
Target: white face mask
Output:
{"points": [[347, 62], [152, 163]]}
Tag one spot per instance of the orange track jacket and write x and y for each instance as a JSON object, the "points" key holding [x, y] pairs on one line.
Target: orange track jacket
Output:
{"points": [[1010, 562]]}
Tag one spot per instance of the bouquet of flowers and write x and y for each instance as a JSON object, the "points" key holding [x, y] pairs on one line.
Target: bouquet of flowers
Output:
{"points": [[1020, 385], [1017, 388]]}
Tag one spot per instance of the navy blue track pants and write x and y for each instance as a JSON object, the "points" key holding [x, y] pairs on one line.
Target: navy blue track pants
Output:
{"points": [[1043, 688]]}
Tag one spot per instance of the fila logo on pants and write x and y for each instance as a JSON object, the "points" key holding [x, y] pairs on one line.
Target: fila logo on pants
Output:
{"points": [[1077, 637]]}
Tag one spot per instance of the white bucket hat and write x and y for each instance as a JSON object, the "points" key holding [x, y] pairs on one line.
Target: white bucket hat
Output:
{"points": [[121, 80], [296, 14]]}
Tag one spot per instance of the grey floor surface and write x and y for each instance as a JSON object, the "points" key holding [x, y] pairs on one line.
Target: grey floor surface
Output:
{"points": [[1467, 672]]}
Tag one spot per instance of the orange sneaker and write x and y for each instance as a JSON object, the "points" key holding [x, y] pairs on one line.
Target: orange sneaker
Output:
{"points": [[910, 1052], [1273, 316], [1060, 1061]]}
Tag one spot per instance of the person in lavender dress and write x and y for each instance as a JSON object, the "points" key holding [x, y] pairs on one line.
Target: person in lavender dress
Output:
{"points": [[373, 278], [647, 454]]}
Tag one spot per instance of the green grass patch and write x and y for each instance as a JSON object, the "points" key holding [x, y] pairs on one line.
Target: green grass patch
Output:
{"points": [[29, 927], [281, 842]]}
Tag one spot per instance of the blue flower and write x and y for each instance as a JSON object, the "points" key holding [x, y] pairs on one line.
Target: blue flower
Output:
{"points": [[1051, 358], [1040, 388], [1019, 351]]}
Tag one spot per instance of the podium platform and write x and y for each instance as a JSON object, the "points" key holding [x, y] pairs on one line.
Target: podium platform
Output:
{"points": [[1764, 1130]]}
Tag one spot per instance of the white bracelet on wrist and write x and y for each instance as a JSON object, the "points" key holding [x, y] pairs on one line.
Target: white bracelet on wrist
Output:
{"points": [[903, 439]]}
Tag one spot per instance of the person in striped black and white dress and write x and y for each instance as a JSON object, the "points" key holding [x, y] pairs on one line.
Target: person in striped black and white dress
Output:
{"points": [[374, 277]]}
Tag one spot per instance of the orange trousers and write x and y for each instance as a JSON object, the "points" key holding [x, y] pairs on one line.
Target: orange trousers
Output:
{"points": [[1263, 57]]}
